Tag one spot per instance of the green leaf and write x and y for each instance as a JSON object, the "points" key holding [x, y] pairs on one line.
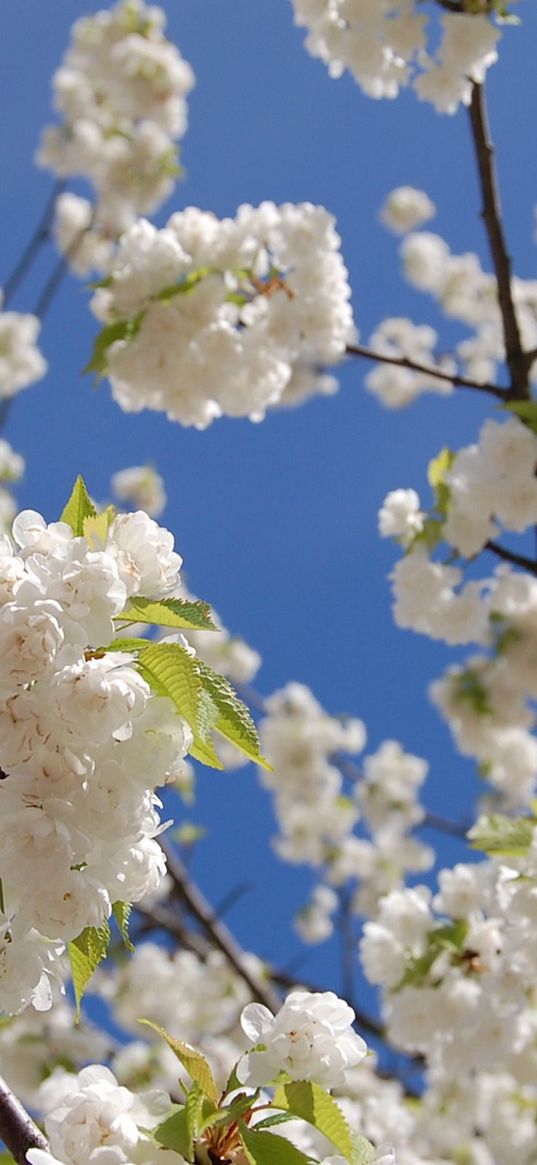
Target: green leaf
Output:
{"points": [[189, 614], [184, 287], [78, 508], [176, 1132], [233, 720], [270, 1149], [277, 1118], [499, 834], [525, 410], [125, 644], [311, 1103], [431, 534], [172, 671], [450, 937], [85, 954], [118, 330], [95, 527], [436, 476], [363, 1152], [122, 912], [193, 1061], [468, 687], [226, 1116]]}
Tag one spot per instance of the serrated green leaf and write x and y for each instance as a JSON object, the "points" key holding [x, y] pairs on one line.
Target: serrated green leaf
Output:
{"points": [[95, 527], [176, 1133], [363, 1152], [118, 330], [172, 671], [122, 912], [85, 954], [233, 720], [499, 834], [186, 614], [232, 1082], [270, 1149], [78, 508], [311, 1103], [193, 1061], [226, 1116], [125, 644], [277, 1118]]}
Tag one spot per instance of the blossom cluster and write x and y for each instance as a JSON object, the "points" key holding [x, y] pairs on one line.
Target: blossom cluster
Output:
{"points": [[463, 292], [357, 836], [121, 93], [388, 44], [84, 741], [488, 488], [456, 971], [89, 1117], [21, 362], [11, 471], [233, 316], [196, 999]]}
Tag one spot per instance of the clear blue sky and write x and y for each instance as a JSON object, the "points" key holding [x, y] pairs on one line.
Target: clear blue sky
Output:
{"points": [[276, 522]]}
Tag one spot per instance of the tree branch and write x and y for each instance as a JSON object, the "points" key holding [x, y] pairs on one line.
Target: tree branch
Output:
{"points": [[17, 1129], [506, 555], [32, 248], [491, 213], [221, 936], [426, 370]]}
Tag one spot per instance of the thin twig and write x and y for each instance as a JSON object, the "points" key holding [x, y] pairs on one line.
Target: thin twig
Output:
{"points": [[160, 918], [452, 828], [348, 768], [229, 899], [218, 931], [59, 272], [506, 555], [17, 1129], [347, 940], [426, 369], [32, 248], [491, 213]]}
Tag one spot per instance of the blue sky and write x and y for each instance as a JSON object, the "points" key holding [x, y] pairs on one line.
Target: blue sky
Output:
{"points": [[277, 522]]}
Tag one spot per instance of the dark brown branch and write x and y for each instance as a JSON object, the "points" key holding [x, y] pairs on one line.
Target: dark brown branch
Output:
{"points": [[451, 828], [32, 248], [60, 271], [491, 213], [426, 370], [160, 918], [506, 555], [221, 936], [17, 1129]]}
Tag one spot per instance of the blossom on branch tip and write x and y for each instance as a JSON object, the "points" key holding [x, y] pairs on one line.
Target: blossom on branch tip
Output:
{"points": [[310, 1038]]}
